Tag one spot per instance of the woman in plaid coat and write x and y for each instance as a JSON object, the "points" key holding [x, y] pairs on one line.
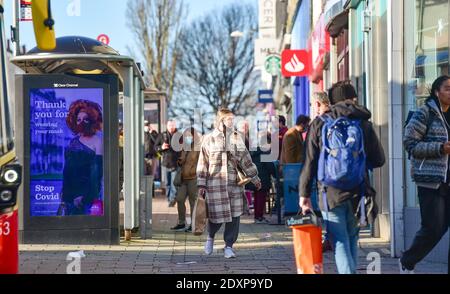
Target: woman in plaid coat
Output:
{"points": [[217, 180]]}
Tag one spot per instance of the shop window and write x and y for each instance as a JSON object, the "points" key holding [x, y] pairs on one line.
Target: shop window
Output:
{"points": [[426, 58], [343, 56]]}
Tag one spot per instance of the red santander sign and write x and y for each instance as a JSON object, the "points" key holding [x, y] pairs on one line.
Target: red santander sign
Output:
{"points": [[103, 38], [295, 63]]}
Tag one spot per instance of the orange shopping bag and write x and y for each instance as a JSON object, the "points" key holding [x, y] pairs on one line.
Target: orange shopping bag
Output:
{"points": [[307, 237]]}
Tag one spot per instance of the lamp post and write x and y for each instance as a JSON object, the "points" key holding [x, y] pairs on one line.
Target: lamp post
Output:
{"points": [[237, 34]]}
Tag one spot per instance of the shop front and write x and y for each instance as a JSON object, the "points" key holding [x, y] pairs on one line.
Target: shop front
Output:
{"points": [[418, 54], [319, 48], [299, 41], [337, 27], [426, 47]]}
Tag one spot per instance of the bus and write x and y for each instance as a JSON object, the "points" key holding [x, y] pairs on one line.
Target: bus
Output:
{"points": [[10, 169]]}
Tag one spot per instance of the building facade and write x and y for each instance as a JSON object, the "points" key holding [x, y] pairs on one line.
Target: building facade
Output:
{"points": [[392, 51], [417, 55]]}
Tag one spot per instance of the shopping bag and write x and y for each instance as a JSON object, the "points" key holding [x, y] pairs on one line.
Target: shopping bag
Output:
{"points": [[307, 237], [199, 216]]}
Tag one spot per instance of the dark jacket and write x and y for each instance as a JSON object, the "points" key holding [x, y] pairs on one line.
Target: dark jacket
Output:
{"points": [[281, 134], [292, 150], [82, 176], [170, 156], [150, 139], [265, 170], [374, 152], [423, 140]]}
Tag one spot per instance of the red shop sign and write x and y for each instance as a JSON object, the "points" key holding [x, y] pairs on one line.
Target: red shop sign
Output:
{"points": [[319, 46], [295, 63]]}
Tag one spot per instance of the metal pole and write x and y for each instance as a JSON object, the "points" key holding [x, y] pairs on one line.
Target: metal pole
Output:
{"points": [[129, 157], [367, 29], [15, 27], [138, 143]]}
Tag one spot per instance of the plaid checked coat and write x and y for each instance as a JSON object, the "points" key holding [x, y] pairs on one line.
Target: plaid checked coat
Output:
{"points": [[215, 173]]}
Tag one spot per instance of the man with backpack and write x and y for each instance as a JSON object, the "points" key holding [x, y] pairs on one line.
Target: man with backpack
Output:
{"points": [[341, 147]]}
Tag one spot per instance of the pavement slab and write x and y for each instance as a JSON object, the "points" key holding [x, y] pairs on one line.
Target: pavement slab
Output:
{"points": [[260, 249]]}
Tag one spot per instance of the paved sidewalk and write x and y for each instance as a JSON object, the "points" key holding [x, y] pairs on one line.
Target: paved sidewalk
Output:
{"points": [[261, 249]]}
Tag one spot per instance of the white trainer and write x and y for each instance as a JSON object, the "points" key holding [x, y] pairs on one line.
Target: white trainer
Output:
{"points": [[229, 253], [403, 270], [209, 246]]}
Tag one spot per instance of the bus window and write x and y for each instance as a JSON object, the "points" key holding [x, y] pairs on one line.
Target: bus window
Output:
{"points": [[6, 133]]}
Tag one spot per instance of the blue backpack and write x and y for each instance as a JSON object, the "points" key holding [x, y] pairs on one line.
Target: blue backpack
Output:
{"points": [[342, 162]]}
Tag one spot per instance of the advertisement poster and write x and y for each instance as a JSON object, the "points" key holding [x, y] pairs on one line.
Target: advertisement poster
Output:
{"points": [[66, 152]]}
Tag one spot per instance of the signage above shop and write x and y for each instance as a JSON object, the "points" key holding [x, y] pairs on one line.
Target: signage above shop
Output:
{"points": [[264, 47], [295, 63], [267, 13], [265, 96], [267, 33], [273, 64], [318, 46]]}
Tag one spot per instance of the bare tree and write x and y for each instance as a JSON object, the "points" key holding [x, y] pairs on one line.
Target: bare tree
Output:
{"points": [[216, 70], [156, 25]]}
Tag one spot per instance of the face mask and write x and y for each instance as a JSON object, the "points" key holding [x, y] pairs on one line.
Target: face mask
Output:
{"points": [[85, 128], [146, 129]]}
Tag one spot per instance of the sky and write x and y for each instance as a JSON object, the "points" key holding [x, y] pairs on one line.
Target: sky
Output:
{"points": [[94, 17]]}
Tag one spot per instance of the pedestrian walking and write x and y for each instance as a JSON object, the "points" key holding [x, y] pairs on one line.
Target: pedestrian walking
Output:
{"points": [[223, 154], [292, 147], [427, 142], [166, 142], [280, 127], [150, 138], [266, 170], [282, 130], [188, 188], [292, 152], [343, 183], [321, 105]]}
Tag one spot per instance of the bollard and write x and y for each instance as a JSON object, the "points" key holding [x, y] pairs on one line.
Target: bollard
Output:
{"points": [[127, 235]]}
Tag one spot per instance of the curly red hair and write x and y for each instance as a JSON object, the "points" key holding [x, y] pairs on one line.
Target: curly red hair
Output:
{"points": [[94, 112]]}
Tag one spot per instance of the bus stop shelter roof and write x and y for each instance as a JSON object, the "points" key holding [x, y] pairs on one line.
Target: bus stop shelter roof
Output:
{"points": [[75, 54]]}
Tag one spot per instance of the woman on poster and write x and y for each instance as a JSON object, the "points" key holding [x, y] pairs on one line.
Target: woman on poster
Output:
{"points": [[83, 168]]}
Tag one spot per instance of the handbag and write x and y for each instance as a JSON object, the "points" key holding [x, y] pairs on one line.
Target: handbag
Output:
{"points": [[199, 216], [242, 178], [177, 181]]}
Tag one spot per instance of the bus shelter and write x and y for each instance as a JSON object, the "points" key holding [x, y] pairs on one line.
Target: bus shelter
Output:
{"points": [[74, 61]]}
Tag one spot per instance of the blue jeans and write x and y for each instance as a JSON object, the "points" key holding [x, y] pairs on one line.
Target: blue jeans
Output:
{"points": [[171, 190], [343, 230]]}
